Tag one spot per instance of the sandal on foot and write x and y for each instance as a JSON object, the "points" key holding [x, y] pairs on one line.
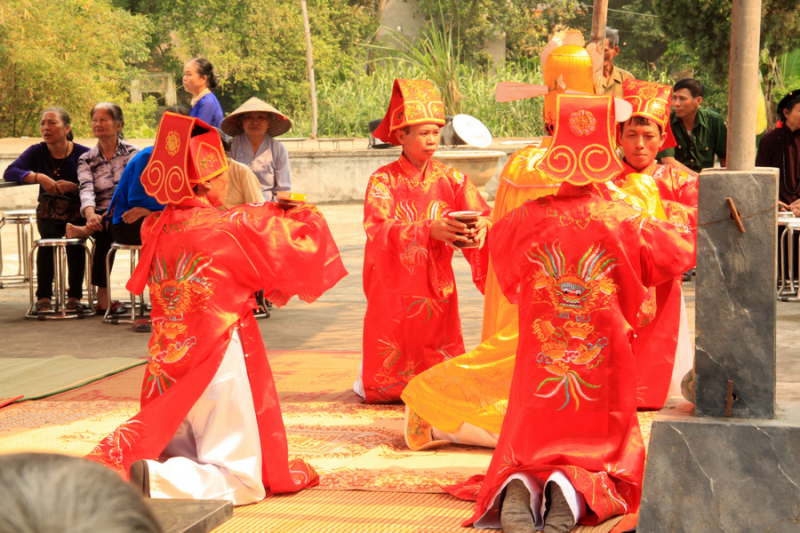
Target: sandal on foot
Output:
{"points": [[142, 326], [44, 307], [117, 308], [74, 306]]}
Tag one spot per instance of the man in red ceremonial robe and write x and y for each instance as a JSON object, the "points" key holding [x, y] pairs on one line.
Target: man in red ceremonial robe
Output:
{"points": [[210, 425], [412, 320], [578, 264], [664, 351]]}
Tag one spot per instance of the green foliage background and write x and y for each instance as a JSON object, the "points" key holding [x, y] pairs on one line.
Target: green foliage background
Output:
{"points": [[69, 53], [75, 53]]}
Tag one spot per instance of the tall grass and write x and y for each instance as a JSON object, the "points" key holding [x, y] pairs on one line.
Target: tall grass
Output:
{"points": [[346, 108]]}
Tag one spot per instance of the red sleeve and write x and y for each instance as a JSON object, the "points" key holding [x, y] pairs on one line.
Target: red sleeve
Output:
{"points": [[469, 198], [667, 250], [408, 259], [508, 244], [291, 252]]}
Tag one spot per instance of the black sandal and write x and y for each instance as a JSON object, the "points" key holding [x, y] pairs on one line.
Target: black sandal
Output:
{"points": [[44, 307]]}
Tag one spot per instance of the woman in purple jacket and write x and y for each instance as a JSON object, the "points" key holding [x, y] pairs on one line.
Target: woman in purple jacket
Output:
{"points": [[53, 165], [199, 79]]}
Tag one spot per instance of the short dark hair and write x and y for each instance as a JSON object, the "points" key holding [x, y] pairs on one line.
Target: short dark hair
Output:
{"points": [[114, 110], [788, 105], [695, 87], [612, 35], [640, 121], [64, 116], [179, 109], [224, 139], [205, 68]]}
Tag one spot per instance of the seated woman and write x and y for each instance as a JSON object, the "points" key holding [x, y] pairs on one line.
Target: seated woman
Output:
{"points": [[199, 79], [254, 127], [243, 186], [53, 164], [99, 171], [130, 203]]}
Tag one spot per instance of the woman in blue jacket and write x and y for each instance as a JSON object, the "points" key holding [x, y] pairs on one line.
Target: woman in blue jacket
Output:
{"points": [[199, 79]]}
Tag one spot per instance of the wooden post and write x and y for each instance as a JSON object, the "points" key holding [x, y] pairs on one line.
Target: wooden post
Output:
{"points": [[599, 15], [743, 84], [310, 61]]}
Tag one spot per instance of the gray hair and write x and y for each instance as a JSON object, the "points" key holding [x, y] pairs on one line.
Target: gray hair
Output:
{"points": [[114, 110], [51, 493], [613, 37]]}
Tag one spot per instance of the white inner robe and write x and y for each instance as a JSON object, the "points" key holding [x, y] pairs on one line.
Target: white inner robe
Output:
{"points": [[216, 451]]}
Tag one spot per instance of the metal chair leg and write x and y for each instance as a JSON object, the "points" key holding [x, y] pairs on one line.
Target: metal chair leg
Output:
{"points": [[111, 253], [30, 285]]}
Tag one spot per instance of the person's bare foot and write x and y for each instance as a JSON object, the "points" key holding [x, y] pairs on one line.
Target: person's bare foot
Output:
{"points": [[78, 232]]}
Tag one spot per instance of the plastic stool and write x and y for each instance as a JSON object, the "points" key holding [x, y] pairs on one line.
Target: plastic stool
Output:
{"points": [[24, 220], [109, 318], [60, 293]]}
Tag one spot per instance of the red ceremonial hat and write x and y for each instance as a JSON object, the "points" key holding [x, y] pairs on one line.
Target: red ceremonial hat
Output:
{"points": [[413, 102], [582, 150], [187, 151], [651, 100]]}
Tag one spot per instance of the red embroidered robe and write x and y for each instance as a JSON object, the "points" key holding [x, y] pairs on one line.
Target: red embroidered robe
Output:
{"points": [[657, 341], [206, 265], [579, 266], [412, 320]]}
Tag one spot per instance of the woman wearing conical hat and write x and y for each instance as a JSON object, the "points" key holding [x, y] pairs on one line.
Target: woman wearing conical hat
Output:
{"points": [[254, 126]]}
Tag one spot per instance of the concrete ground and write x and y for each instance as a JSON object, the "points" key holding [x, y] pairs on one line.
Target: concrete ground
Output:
{"points": [[333, 322]]}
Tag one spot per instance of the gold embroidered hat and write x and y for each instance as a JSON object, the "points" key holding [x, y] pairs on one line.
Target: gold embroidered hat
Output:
{"points": [[651, 100], [187, 151], [413, 102], [582, 150]]}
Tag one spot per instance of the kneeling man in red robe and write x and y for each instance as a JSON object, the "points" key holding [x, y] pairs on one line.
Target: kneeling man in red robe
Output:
{"points": [[210, 425], [579, 265], [412, 320]]}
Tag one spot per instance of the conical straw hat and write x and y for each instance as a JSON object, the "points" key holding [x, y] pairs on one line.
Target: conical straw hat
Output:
{"points": [[278, 122]]}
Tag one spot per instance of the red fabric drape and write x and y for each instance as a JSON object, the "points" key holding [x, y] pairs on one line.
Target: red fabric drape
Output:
{"points": [[203, 268]]}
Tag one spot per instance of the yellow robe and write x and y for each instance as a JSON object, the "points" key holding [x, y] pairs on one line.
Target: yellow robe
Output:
{"points": [[474, 388]]}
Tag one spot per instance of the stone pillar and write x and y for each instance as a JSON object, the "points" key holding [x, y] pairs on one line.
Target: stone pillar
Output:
{"points": [[743, 86], [736, 305], [171, 96], [136, 92]]}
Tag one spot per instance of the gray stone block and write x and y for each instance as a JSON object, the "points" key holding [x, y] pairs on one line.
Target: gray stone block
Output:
{"points": [[711, 475], [736, 277], [190, 516]]}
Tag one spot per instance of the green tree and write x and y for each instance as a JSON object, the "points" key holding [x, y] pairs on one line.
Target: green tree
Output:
{"points": [[642, 41], [705, 27], [257, 47], [526, 24], [70, 53]]}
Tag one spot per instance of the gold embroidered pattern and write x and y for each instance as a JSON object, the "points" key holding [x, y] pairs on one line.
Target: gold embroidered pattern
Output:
{"points": [[582, 122], [173, 142]]}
